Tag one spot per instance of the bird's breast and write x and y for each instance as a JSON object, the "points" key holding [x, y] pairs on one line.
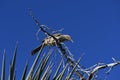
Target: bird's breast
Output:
{"points": [[49, 42]]}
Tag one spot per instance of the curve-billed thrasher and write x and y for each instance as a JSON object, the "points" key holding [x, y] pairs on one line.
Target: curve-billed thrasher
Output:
{"points": [[50, 41]]}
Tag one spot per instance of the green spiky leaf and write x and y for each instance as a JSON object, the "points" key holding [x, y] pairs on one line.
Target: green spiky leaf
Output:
{"points": [[3, 67], [12, 66], [25, 71]]}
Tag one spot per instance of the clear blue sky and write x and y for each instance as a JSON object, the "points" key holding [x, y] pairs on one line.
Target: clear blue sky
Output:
{"points": [[93, 24]]}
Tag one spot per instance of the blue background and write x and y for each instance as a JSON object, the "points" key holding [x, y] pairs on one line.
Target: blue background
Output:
{"points": [[93, 24]]}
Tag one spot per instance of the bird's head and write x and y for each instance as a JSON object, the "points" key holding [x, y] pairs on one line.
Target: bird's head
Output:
{"points": [[66, 38]]}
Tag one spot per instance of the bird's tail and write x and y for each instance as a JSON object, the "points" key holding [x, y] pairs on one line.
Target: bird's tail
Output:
{"points": [[39, 48]]}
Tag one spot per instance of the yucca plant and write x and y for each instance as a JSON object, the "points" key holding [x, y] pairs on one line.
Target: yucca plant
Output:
{"points": [[41, 71]]}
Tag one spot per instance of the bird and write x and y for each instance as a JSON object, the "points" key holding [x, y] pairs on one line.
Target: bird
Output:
{"points": [[50, 41]]}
